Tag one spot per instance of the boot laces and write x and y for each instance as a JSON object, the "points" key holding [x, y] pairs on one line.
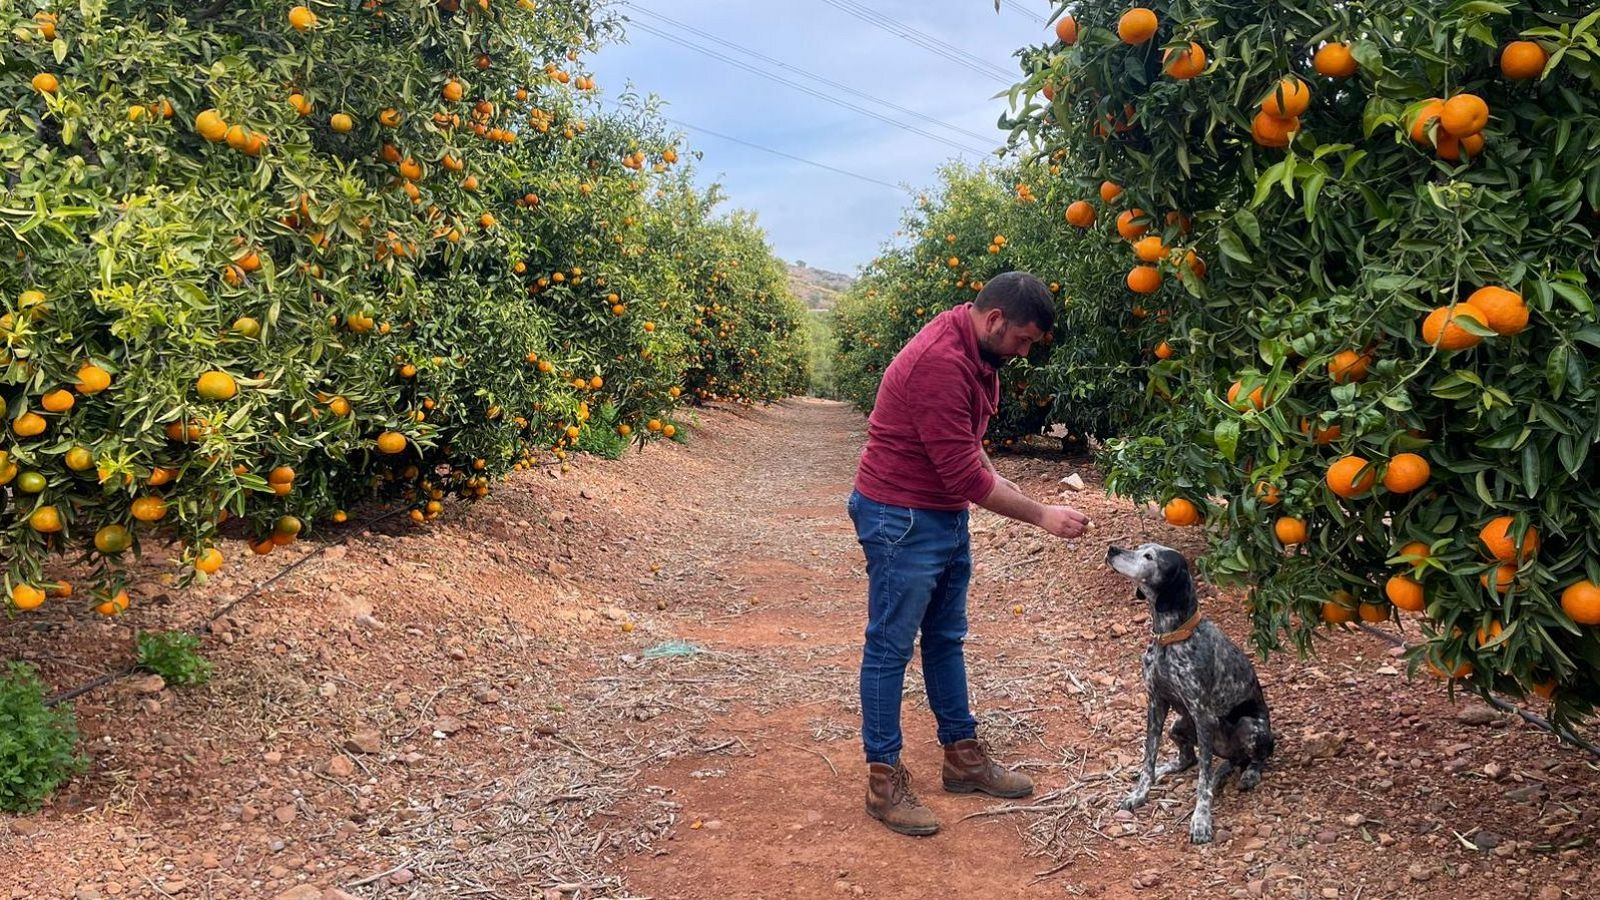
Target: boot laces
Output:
{"points": [[902, 785]]}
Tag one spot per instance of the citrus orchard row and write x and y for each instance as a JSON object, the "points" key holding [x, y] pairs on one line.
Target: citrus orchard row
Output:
{"points": [[1348, 255], [267, 260]]}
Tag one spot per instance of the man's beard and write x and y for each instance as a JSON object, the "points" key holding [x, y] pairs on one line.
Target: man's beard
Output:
{"points": [[989, 356]]}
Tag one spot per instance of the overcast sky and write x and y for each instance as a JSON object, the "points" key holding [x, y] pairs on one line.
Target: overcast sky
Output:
{"points": [[829, 220]]}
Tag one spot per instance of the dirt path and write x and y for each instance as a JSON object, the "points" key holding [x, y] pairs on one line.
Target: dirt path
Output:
{"points": [[638, 680]]}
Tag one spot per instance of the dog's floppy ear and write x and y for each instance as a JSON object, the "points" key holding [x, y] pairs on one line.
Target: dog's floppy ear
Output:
{"points": [[1176, 592]]}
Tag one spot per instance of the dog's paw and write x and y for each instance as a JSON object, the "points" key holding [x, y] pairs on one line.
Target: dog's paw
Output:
{"points": [[1249, 779], [1132, 801], [1200, 831]]}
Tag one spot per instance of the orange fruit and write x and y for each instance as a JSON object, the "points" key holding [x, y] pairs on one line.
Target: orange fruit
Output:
{"points": [[1432, 109], [1289, 531], [1257, 398], [1150, 249], [341, 122], [1464, 115], [79, 459], [1144, 279], [1405, 593], [1289, 98], [25, 596], [45, 520], [1137, 25], [209, 562], [57, 401], [1181, 512], [1440, 329], [1418, 551], [1485, 635], [1271, 131], [1080, 214], [216, 386], [1372, 613], [1185, 64], [389, 118], [211, 126], [112, 539], [1348, 366], [392, 442], [1109, 191], [1268, 493], [117, 603], [1406, 473], [1498, 540], [452, 90], [1460, 668], [301, 18], [1346, 479], [149, 509], [1067, 30], [1546, 688], [160, 476], [1503, 310], [1164, 350], [1339, 608], [1128, 228], [29, 424], [1581, 602], [1522, 60], [1335, 61], [1505, 575], [45, 83], [92, 380]]}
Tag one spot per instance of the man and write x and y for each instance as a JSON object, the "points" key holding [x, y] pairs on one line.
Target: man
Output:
{"points": [[923, 465]]}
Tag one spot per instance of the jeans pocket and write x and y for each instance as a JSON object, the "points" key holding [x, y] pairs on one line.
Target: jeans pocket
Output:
{"points": [[895, 524]]}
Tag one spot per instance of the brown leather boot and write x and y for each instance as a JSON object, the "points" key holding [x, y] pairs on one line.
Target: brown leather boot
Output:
{"points": [[968, 768], [890, 801]]}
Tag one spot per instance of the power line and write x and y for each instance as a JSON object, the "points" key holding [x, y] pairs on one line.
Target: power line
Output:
{"points": [[922, 39], [1014, 7], [812, 75], [800, 159], [806, 90]]}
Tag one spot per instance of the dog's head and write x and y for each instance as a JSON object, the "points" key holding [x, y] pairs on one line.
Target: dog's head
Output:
{"points": [[1161, 573]]}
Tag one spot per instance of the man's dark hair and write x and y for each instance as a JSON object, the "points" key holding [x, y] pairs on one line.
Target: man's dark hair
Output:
{"points": [[1022, 298]]}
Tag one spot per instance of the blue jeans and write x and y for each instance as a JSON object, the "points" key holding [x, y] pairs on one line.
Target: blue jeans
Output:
{"points": [[919, 562]]}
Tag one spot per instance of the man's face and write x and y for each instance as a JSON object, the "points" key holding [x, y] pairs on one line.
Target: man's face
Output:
{"points": [[1000, 341]]}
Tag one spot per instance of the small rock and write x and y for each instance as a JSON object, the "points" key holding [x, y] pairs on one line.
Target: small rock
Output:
{"points": [[714, 825], [1477, 715], [1354, 820], [284, 814], [1322, 745], [1385, 839], [336, 894], [412, 758], [1525, 793], [613, 614], [458, 654], [1487, 840], [149, 706], [1549, 892], [148, 684], [272, 757], [341, 767], [403, 876], [487, 696], [447, 725], [1419, 872], [369, 742], [1495, 771], [1327, 837], [328, 690], [1074, 482], [301, 892]]}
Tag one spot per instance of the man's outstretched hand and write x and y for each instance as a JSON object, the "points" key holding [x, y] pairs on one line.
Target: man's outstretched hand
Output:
{"points": [[1064, 521]]}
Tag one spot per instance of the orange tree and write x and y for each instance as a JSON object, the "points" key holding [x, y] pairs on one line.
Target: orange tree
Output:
{"points": [[977, 224], [265, 260], [1373, 229]]}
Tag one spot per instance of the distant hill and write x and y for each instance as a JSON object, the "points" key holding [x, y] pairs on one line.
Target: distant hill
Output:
{"points": [[817, 288]]}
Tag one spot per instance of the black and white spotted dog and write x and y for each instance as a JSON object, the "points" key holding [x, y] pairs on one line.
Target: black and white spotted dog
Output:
{"points": [[1192, 667]]}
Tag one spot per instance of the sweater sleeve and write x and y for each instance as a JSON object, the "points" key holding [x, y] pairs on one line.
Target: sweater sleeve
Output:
{"points": [[942, 406]]}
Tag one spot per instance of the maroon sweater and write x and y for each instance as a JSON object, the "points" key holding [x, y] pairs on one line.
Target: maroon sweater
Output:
{"points": [[925, 434]]}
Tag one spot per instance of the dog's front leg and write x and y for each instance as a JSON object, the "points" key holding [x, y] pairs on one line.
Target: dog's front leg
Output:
{"points": [[1205, 737], [1155, 721]]}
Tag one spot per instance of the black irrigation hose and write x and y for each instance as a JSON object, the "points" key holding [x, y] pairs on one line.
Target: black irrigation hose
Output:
{"points": [[1533, 719], [200, 629]]}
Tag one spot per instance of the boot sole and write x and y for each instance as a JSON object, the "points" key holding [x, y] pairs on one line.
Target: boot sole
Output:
{"points": [[962, 787], [909, 830]]}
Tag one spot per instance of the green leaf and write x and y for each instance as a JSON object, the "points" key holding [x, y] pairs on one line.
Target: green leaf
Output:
{"points": [[1227, 437], [1574, 295], [1313, 187], [1230, 246], [1555, 370], [1249, 225], [1531, 469]]}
